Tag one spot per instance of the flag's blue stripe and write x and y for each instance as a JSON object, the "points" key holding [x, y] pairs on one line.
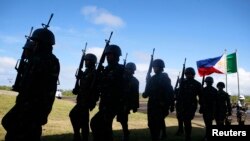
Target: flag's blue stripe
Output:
{"points": [[206, 63]]}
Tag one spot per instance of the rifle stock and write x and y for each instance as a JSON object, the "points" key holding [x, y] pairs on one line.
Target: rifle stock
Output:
{"points": [[20, 65], [76, 88]]}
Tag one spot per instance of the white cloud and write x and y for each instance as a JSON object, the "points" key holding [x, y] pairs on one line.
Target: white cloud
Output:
{"points": [[101, 16]]}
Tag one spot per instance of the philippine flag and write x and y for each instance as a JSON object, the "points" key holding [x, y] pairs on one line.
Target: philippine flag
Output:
{"points": [[212, 65]]}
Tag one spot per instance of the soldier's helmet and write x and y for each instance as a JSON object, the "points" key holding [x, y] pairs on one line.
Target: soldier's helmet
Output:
{"points": [[242, 97], [220, 84], [209, 79], [130, 66], [113, 49], [158, 63], [91, 57], [43, 35], [190, 70]]}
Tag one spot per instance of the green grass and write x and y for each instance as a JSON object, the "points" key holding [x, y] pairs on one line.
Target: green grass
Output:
{"points": [[59, 127]]}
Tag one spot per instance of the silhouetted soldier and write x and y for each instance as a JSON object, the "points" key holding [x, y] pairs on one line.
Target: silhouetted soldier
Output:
{"points": [[38, 87], [130, 98], [85, 101], [160, 93], [111, 91], [223, 104], [208, 104], [189, 90]]}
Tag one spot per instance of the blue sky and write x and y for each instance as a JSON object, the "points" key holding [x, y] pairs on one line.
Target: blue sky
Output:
{"points": [[195, 29]]}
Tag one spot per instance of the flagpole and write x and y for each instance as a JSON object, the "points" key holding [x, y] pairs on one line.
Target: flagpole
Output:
{"points": [[226, 67], [237, 74]]}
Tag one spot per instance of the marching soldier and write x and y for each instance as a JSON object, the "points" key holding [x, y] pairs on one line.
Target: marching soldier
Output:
{"points": [[208, 104], [37, 90], [223, 104], [111, 91], [85, 101], [160, 93], [189, 90], [130, 98]]}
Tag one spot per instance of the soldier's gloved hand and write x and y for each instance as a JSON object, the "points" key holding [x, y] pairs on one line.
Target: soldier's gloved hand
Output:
{"points": [[79, 74], [134, 110]]}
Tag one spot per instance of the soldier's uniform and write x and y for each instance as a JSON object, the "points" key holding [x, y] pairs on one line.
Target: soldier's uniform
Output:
{"points": [[189, 90], [223, 105], [160, 93], [38, 88], [130, 98], [85, 101], [111, 90]]}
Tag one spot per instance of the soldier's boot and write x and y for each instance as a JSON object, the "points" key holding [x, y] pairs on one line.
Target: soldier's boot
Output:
{"points": [[85, 136], [180, 130], [77, 137], [188, 130], [163, 134]]}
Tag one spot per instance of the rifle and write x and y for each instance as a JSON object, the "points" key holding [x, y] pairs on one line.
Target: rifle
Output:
{"points": [[20, 65], [150, 67], [102, 59], [177, 82], [100, 64], [76, 88], [125, 60], [183, 72], [47, 25]]}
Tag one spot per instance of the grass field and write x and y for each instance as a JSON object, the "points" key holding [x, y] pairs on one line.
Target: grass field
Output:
{"points": [[59, 128]]}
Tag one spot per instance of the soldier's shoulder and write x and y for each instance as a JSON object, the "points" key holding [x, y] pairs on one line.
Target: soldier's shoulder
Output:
{"points": [[197, 82], [134, 79]]}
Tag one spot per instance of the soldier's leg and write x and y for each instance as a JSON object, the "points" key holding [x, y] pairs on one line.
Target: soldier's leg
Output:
{"points": [[76, 122], [85, 125], [188, 129], [97, 126], [124, 123], [163, 130], [208, 124], [154, 124]]}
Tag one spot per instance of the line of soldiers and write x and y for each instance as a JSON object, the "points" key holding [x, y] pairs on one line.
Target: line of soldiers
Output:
{"points": [[117, 91]]}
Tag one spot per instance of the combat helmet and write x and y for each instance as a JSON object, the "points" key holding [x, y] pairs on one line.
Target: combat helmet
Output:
{"points": [[220, 84], [43, 35], [113, 49], [158, 63], [91, 57], [131, 66], [209, 79], [190, 70]]}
